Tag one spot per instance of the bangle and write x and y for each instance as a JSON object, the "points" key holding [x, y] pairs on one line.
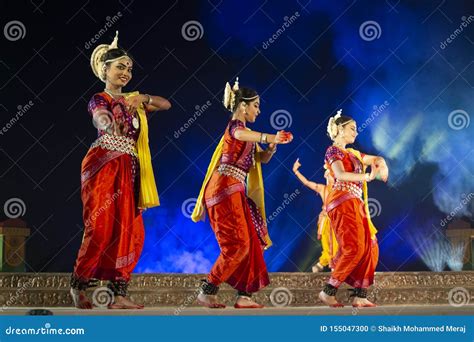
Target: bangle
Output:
{"points": [[263, 138], [150, 100], [367, 177]]}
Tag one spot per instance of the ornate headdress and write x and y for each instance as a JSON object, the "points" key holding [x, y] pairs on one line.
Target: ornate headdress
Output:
{"points": [[332, 126], [229, 95], [97, 65]]}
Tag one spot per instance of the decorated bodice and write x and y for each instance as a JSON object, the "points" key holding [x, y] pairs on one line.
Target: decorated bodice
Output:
{"points": [[110, 116], [237, 153], [350, 164]]}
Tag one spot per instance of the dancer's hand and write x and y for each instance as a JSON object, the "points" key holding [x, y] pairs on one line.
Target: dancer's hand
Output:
{"points": [[133, 102], [283, 137], [319, 236], [373, 172], [296, 165], [382, 169]]}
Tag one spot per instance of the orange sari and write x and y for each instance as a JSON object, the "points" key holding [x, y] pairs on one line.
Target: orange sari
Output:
{"points": [[357, 256], [235, 218], [114, 231]]}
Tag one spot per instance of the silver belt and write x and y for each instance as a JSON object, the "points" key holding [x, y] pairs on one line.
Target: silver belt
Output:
{"points": [[116, 143], [348, 187], [232, 171]]}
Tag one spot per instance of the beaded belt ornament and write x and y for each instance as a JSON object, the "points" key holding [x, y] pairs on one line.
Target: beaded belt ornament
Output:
{"points": [[232, 171], [116, 143], [348, 187]]}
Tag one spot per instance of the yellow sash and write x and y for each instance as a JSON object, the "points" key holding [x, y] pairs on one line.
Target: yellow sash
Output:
{"points": [[373, 230], [148, 196], [255, 189]]}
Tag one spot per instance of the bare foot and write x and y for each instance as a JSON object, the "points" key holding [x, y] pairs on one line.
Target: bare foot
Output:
{"points": [[244, 302], [121, 302], [317, 268], [362, 303], [80, 299], [209, 301], [331, 301]]}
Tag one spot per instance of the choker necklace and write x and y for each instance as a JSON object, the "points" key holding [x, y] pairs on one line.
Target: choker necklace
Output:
{"points": [[339, 145], [112, 93]]}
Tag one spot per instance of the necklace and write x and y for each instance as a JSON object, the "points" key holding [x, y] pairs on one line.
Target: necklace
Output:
{"points": [[112, 93], [339, 145]]}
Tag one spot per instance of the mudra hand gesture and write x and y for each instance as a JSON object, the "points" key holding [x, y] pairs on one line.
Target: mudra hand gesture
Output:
{"points": [[296, 165], [283, 137], [133, 102]]}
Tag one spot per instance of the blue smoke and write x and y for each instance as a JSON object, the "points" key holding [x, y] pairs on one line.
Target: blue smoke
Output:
{"points": [[407, 87]]}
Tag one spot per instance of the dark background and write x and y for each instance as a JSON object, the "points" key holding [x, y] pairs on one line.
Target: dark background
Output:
{"points": [[403, 85]]}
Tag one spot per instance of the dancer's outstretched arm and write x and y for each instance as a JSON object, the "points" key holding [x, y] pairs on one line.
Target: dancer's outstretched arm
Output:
{"points": [[319, 188], [281, 137]]}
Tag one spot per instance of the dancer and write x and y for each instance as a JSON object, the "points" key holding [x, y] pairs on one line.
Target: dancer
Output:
{"points": [[236, 211], [325, 233], [117, 181], [347, 208]]}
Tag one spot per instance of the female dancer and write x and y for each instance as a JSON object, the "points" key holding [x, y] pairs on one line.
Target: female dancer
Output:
{"points": [[237, 212], [347, 208], [325, 233], [117, 181]]}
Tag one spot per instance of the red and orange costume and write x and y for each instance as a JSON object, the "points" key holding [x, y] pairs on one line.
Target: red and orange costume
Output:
{"points": [[237, 220], [347, 209], [111, 196]]}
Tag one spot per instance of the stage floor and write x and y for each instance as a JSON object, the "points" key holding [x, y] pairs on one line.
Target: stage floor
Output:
{"points": [[396, 293], [385, 310]]}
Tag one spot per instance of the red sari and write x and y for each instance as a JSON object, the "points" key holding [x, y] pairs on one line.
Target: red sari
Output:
{"points": [[114, 232], [357, 257], [235, 218]]}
